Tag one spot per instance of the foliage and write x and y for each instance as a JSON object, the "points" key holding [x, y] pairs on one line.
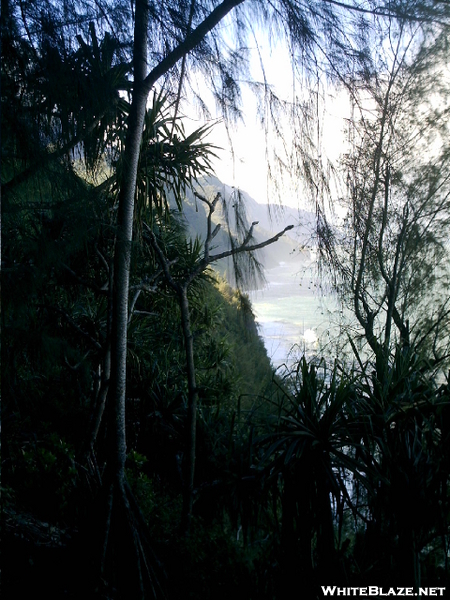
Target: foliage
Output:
{"points": [[309, 477], [358, 465], [388, 257]]}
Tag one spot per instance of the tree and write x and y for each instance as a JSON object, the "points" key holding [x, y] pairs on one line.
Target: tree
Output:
{"points": [[178, 33], [142, 85], [359, 473], [388, 260], [309, 452], [403, 448], [181, 288], [389, 256]]}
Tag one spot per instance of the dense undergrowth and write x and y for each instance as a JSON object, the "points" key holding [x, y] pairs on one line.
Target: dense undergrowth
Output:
{"points": [[326, 476], [332, 474]]}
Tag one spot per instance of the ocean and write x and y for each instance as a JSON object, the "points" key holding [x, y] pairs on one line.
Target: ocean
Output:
{"points": [[296, 318], [293, 315]]}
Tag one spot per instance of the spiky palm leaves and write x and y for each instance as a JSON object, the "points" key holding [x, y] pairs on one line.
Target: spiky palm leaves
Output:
{"points": [[403, 453], [308, 458], [170, 161], [351, 449]]}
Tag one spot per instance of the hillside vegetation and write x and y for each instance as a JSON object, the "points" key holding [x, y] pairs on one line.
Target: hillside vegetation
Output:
{"points": [[148, 450]]}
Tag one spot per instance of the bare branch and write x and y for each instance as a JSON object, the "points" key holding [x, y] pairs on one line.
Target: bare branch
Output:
{"points": [[138, 289], [249, 235], [78, 365], [245, 248], [216, 231], [209, 236]]}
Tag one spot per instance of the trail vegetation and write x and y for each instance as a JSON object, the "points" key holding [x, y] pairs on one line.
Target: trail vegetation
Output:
{"points": [[148, 449]]}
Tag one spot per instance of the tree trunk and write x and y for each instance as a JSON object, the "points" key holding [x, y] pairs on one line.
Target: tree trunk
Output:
{"points": [[188, 493], [119, 521], [122, 255], [326, 552]]}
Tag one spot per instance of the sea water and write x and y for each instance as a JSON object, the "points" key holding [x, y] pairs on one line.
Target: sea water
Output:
{"points": [[294, 316]]}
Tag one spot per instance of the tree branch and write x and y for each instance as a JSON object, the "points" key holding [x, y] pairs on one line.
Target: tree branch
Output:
{"points": [[138, 289], [209, 235], [246, 248], [163, 261], [190, 42], [389, 13]]}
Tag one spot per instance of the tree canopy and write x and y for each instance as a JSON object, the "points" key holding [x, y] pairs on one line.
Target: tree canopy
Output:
{"points": [[147, 438]]}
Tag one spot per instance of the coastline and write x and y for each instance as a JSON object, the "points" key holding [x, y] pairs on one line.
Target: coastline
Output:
{"points": [[291, 315]]}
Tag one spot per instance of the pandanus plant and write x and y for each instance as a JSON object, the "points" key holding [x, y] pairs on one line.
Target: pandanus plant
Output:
{"points": [[309, 455], [404, 448], [377, 449]]}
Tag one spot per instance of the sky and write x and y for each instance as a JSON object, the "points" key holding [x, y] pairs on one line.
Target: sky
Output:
{"points": [[247, 168]]}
